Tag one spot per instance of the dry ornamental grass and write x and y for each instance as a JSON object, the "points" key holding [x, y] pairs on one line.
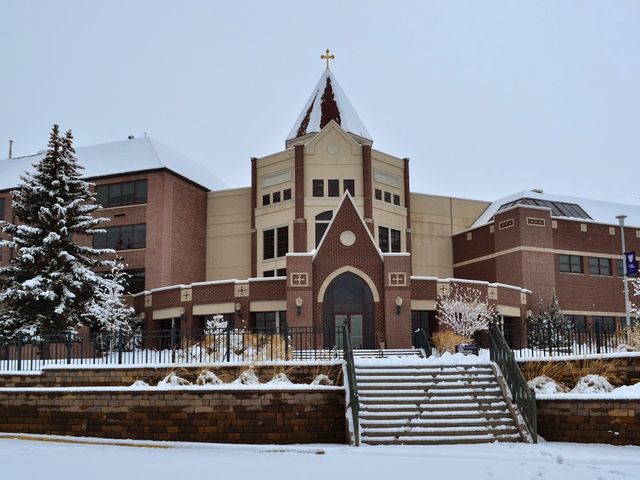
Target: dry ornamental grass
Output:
{"points": [[447, 340]]}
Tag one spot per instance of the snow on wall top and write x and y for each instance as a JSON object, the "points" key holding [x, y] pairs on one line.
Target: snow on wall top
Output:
{"points": [[328, 102], [119, 157], [599, 211]]}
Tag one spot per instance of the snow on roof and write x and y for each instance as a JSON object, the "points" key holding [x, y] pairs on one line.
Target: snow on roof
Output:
{"points": [[121, 157], [599, 211], [328, 102]]}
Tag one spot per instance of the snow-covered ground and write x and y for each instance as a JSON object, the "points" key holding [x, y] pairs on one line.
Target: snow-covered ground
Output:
{"points": [[28, 459]]}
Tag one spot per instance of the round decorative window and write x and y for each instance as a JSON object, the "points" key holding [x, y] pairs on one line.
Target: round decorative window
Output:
{"points": [[347, 238]]}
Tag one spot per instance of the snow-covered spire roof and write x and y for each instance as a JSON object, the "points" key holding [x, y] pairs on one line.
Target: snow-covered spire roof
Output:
{"points": [[121, 157], [328, 102]]}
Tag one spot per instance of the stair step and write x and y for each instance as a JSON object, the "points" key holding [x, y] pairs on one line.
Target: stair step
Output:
{"points": [[384, 415], [427, 386], [411, 431], [420, 372], [450, 440], [412, 422], [417, 378]]}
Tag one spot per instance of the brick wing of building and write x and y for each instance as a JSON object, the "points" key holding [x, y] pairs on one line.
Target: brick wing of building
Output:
{"points": [[328, 232]]}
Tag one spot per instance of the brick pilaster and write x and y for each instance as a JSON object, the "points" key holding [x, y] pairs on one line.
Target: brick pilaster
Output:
{"points": [[300, 223]]}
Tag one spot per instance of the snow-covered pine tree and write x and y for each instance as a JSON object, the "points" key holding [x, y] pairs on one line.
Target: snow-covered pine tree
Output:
{"points": [[49, 281], [108, 312], [548, 327]]}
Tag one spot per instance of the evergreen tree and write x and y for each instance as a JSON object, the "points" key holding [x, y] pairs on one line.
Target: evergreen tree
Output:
{"points": [[107, 312], [548, 328], [49, 281]]}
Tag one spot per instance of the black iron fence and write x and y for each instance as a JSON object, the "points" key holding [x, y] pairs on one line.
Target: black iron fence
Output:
{"points": [[566, 338], [175, 346]]}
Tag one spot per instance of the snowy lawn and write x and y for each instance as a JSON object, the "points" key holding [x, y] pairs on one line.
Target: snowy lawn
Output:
{"points": [[29, 459]]}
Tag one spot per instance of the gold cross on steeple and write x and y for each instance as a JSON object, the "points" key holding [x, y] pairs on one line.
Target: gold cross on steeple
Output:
{"points": [[327, 57]]}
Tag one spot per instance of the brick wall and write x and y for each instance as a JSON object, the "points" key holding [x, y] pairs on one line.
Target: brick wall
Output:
{"points": [[123, 377], [313, 416], [590, 421]]}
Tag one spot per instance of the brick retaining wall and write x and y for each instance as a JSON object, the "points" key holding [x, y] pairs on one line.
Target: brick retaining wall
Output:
{"points": [[125, 376], [615, 422], [247, 416]]}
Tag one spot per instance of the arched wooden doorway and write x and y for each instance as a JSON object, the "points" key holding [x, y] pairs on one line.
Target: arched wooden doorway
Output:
{"points": [[348, 298]]}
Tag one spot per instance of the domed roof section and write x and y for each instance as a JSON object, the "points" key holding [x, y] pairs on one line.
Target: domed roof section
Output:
{"points": [[328, 102]]}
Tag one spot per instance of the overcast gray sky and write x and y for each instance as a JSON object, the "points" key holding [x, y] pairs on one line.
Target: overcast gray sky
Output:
{"points": [[485, 97]]}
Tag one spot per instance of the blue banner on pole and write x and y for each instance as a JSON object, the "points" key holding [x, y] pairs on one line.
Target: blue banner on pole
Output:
{"points": [[631, 264]]}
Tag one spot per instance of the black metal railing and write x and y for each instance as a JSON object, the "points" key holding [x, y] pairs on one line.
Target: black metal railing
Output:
{"points": [[420, 340], [521, 394], [175, 346], [557, 339], [354, 403]]}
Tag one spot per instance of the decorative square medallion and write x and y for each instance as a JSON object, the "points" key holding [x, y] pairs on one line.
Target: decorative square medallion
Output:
{"points": [[583, 227], [147, 300], [185, 295], [523, 298], [444, 289], [300, 279], [398, 279], [242, 289]]}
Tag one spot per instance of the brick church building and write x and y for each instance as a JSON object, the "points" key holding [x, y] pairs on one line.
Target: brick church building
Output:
{"points": [[328, 231]]}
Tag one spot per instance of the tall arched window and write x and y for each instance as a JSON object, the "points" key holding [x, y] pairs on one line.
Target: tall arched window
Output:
{"points": [[322, 223]]}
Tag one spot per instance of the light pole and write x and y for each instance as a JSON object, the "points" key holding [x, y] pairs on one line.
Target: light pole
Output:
{"points": [[624, 269]]}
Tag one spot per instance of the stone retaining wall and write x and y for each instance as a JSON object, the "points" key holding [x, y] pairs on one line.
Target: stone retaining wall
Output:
{"points": [[125, 376], [590, 421], [247, 416]]}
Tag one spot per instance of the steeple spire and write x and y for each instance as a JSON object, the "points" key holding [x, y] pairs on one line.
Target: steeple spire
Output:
{"points": [[328, 102]]}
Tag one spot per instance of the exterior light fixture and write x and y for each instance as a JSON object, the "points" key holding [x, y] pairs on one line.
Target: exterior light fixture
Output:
{"points": [[299, 303], [238, 307], [398, 305]]}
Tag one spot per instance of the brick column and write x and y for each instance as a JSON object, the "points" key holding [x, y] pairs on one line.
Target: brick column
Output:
{"points": [[300, 284], [407, 203], [397, 283], [299, 223], [254, 203], [367, 187]]}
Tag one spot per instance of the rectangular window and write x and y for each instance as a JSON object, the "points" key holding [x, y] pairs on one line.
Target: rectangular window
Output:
{"points": [[395, 240], [570, 263], [420, 321], [125, 237], [286, 194], [396, 199], [275, 243], [620, 268], [2, 207], [283, 241], [119, 194], [599, 266], [265, 321], [136, 281], [269, 273], [318, 188], [276, 197], [266, 199], [383, 238], [268, 243], [579, 322], [387, 197], [281, 272], [349, 186], [603, 324], [378, 194], [333, 187]]}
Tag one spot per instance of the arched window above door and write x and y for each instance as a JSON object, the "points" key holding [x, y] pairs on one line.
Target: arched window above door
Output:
{"points": [[322, 223]]}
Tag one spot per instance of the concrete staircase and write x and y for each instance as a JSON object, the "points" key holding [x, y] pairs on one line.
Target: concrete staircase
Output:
{"points": [[405, 402]]}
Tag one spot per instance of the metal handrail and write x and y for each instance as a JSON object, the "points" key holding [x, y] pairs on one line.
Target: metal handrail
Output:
{"points": [[354, 403], [420, 340], [522, 395]]}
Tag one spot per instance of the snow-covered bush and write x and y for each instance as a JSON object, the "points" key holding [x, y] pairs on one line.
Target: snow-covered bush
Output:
{"points": [[208, 378], [465, 312], [280, 379], [173, 380], [50, 280], [602, 367], [248, 377], [546, 385], [139, 383], [322, 380], [592, 384]]}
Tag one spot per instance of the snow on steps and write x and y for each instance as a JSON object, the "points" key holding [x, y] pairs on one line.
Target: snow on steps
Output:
{"points": [[422, 404]]}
